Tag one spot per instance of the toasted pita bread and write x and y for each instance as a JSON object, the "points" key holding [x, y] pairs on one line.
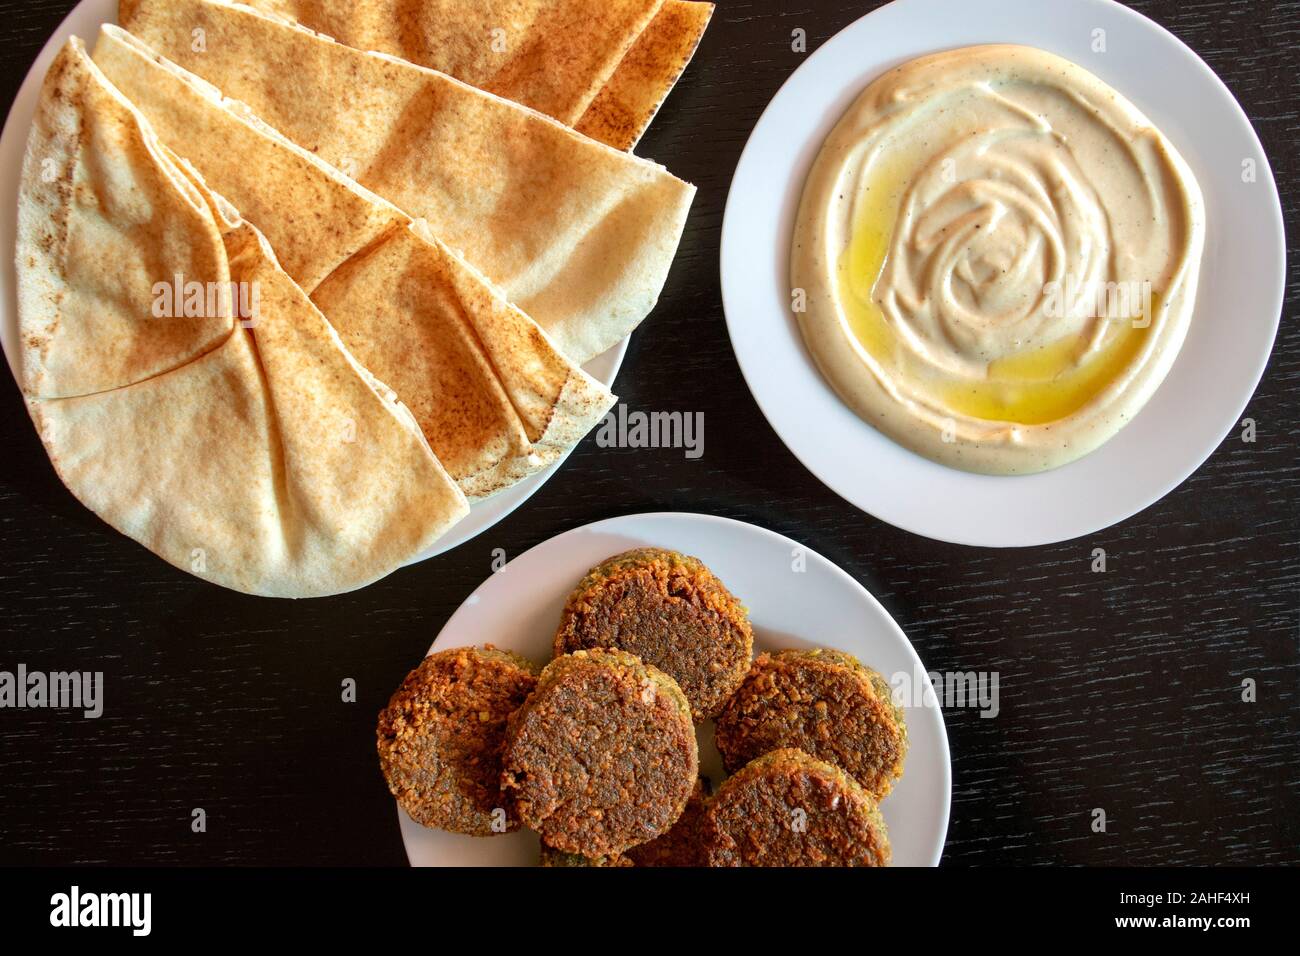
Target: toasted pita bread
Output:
{"points": [[551, 55], [623, 110], [544, 404], [94, 240], [576, 234], [458, 354], [272, 463]]}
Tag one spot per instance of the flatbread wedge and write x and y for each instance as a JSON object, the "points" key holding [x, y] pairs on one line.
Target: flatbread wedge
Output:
{"points": [[493, 395], [93, 240], [626, 105], [574, 233], [272, 463], [551, 55]]}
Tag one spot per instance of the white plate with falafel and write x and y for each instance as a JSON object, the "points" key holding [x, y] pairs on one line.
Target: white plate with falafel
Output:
{"points": [[669, 690]]}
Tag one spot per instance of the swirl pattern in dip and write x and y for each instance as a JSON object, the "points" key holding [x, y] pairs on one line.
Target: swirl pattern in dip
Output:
{"points": [[995, 259]]}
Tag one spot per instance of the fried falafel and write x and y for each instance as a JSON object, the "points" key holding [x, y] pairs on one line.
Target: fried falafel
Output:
{"points": [[681, 845], [789, 809], [672, 612], [823, 702], [440, 737], [552, 857], [602, 756]]}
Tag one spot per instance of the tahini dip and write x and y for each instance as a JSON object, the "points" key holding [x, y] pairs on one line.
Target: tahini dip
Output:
{"points": [[995, 258]]}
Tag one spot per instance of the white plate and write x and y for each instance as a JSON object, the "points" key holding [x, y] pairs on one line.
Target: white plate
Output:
{"points": [[1217, 370], [84, 21], [518, 609]]}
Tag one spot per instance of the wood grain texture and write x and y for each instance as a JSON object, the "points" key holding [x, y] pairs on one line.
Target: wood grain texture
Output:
{"points": [[1118, 690]]}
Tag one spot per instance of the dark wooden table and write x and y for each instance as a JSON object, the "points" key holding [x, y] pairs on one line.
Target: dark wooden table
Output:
{"points": [[1119, 690]]}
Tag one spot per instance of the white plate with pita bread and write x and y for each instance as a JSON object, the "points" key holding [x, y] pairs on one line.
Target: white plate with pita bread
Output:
{"points": [[795, 598], [1228, 342], [478, 268]]}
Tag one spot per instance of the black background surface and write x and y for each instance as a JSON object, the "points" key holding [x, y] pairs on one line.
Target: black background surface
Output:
{"points": [[1118, 690]]}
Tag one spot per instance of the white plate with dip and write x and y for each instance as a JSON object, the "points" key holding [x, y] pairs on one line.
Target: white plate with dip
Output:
{"points": [[518, 609], [1220, 363], [84, 21]]}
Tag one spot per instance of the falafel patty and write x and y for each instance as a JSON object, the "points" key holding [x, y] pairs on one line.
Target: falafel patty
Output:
{"points": [[789, 809], [602, 755], [552, 857], [440, 738], [681, 845], [826, 704], [672, 612]]}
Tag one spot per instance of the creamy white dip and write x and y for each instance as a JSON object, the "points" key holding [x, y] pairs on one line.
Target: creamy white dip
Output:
{"points": [[995, 259]]}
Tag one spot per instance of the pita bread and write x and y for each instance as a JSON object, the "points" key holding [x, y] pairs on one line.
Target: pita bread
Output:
{"points": [[623, 110], [272, 463], [551, 55], [576, 234], [140, 215], [494, 397], [543, 404]]}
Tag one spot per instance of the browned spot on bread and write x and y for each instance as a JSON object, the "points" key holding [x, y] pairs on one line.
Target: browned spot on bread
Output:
{"points": [[625, 106]]}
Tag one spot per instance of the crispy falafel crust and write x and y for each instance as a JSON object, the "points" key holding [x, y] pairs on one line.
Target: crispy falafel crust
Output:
{"points": [[440, 738], [681, 845], [823, 702], [672, 612], [602, 755], [551, 857], [789, 809]]}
